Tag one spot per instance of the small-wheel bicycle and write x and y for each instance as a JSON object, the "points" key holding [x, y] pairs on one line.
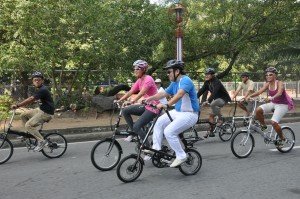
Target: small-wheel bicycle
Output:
{"points": [[106, 153], [223, 129], [242, 143], [131, 167], [56, 143]]}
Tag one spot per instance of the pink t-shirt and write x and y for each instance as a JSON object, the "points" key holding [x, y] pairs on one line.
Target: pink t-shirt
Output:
{"points": [[148, 83]]}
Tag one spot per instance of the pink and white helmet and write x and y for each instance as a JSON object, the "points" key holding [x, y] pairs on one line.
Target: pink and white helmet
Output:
{"points": [[140, 64]]}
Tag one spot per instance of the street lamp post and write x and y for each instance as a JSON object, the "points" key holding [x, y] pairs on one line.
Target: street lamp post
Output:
{"points": [[178, 9]]}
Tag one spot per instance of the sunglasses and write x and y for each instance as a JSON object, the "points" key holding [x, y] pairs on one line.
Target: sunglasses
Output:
{"points": [[169, 71], [269, 75]]}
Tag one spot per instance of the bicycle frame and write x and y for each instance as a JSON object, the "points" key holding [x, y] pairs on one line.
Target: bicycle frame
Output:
{"points": [[238, 117], [269, 137]]}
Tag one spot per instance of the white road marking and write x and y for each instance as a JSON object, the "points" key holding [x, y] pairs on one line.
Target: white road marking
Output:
{"points": [[295, 147]]}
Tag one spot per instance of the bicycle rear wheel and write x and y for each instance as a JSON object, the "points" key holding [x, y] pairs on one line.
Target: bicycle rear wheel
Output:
{"points": [[130, 168], [225, 132], [289, 140], [6, 150], [57, 145], [193, 163], [106, 154], [242, 144]]}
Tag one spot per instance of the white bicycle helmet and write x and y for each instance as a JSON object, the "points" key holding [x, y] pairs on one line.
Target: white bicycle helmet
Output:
{"points": [[140, 64]]}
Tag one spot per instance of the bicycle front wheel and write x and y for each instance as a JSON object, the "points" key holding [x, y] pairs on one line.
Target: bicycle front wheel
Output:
{"points": [[289, 140], [6, 150], [225, 132], [57, 145], [193, 163], [106, 154], [130, 168], [242, 144]]}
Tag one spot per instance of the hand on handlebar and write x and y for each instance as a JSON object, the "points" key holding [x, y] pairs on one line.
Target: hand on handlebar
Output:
{"points": [[205, 103], [161, 106], [14, 106]]}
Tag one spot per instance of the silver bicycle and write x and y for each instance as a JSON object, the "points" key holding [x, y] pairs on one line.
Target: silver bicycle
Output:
{"points": [[242, 143]]}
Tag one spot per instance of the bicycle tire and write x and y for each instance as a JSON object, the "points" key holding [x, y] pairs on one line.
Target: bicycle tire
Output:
{"points": [[56, 141], [193, 157], [236, 144], [290, 139], [100, 149], [225, 132], [6, 150], [130, 168]]}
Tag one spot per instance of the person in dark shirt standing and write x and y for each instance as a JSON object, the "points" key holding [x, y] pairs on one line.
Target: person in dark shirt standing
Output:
{"points": [[34, 117], [217, 99]]}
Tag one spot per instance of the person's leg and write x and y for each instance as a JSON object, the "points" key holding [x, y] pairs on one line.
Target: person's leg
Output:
{"points": [[25, 116], [132, 110], [35, 121], [216, 106], [181, 122], [249, 108], [260, 111], [242, 106], [158, 130], [144, 119], [279, 111]]}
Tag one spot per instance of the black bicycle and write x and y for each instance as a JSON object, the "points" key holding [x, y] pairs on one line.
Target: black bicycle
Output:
{"points": [[220, 127], [106, 154], [131, 167], [56, 147]]}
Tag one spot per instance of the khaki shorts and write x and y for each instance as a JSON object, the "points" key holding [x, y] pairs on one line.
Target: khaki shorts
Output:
{"points": [[279, 110]]}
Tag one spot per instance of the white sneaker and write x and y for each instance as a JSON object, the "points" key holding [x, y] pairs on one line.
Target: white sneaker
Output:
{"points": [[40, 146], [146, 151], [147, 158], [128, 139], [178, 162]]}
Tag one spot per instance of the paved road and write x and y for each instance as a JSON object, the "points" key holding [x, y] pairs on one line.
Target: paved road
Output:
{"points": [[265, 174]]}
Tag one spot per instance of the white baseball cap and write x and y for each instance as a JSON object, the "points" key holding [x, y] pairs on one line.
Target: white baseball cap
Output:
{"points": [[157, 81]]}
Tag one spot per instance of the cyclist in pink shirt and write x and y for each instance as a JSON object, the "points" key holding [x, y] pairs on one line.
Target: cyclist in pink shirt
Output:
{"points": [[143, 87], [278, 101]]}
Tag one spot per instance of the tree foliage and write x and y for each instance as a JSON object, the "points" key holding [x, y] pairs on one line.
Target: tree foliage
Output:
{"points": [[79, 42]]}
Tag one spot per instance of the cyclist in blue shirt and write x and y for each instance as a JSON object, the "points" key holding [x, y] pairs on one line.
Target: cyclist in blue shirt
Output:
{"points": [[185, 114]]}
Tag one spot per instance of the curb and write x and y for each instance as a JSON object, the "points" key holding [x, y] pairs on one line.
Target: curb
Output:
{"points": [[101, 132]]}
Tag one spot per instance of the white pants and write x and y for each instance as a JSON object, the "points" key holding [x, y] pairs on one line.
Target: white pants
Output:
{"points": [[181, 122]]}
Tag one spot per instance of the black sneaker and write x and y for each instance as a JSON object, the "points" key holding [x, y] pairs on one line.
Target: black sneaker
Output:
{"points": [[263, 128], [212, 134], [279, 143]]}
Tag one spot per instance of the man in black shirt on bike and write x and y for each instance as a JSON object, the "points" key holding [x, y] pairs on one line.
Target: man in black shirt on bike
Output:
{"points": [[217, 99], [34, 117]]}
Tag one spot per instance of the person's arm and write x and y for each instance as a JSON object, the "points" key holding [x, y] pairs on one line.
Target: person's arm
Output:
{"points": [[128, 94], [25, 102], [202, 89], [158, 96], [139, 95], [176, 97], [237, 91], [260, 91]]}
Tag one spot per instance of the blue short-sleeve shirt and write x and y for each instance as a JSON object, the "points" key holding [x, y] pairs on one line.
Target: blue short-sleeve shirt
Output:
{"points": [[189, 102]]}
